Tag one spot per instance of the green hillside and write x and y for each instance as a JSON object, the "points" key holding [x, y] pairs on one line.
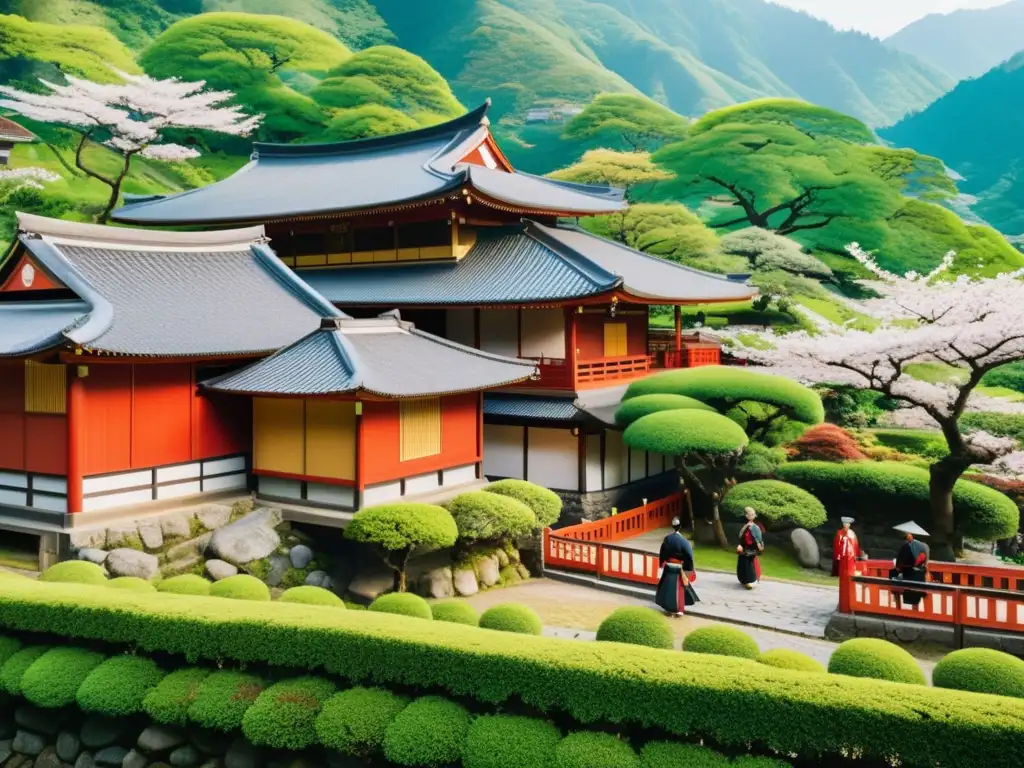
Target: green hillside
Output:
{"points": [[965, 43], [976, 130]]}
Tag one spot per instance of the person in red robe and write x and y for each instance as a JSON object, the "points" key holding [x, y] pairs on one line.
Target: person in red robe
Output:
{"points": [[845, 546]]}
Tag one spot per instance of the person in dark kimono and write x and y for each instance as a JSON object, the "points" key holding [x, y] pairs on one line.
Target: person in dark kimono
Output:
{"points": [[911, 562], [748, 566], [675, 587]]}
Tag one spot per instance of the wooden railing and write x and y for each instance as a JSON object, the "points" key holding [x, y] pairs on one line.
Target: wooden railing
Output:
{"points": [[625, 525], [554, 373], [952, 595], [610, 368], [693, 356]]}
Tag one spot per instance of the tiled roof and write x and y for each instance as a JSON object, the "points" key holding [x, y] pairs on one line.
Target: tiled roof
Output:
{"points": [[161, 294], [382, 356], [292, 180], [530, 407], [11, 131], [530, 264]]}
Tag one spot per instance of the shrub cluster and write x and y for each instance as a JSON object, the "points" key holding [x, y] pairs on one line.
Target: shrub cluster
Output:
{"points": [[169, 701], [509, 741], [685, 432], [637, 407], [13, 669], [760, 461], [890, 490], [721, 641], [284, 715], [512, 617], [594, 750], [53, 680], [75, 572], [456, 612], [308, 595], [188, 584], [879, 659], [241, 587], [403, 604], [776, 502], [917, 442], [118, 686], [545, 504], [981, 670], [483, 516], [668, 754], [681, 694], [430, 732], [354, 722], [785, 658], [826, 442], [637, 626], [131, 583], [223, 698]]}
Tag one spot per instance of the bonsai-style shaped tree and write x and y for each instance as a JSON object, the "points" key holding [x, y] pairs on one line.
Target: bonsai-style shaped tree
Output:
{"points": [[490, 517], [395, 530], [712, 442]]}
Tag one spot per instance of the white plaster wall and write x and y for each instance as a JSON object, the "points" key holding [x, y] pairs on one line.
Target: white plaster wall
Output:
{"points": [[593, 477], [280, 487], [378, 494], [616, 464], [543, 333], [457, 476], [112, 500], [337, 495], [637, 465], [115, 482], [421, 484], [499, 331], [180, 472], [459, 326], [503, 451], [179, 489], [553, 459], [223, 466], [224, 483]]}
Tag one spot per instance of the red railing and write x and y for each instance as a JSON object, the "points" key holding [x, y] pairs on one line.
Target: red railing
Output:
{"points": [[554, 373], [693, 357], [951, 596], [609, 368]]}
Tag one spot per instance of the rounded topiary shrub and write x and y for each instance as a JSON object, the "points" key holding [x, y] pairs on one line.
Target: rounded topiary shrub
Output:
{"points": [[637, 626], [776, 503], [671, 754], [637, 407], [429, 733], [8, 647], [75, 572], [879, 659], [456, 612], [187, 584], [284, 714], [131, 584], [510, 741], [404, 604], [241, 587], [14, 668], [483, 516], [353, 722], [785, 658], [721, 641], [53, 679], [512, 617], [594, 750], [312, 596], [118, 686], [981, 670], [546, 504], [169, 701], [223, 699]]}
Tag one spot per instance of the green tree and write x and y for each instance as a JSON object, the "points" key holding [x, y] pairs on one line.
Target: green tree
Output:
{"points": [[366, 122], [816, 122], [626, 170], [667, 230], [631, 120], [768, 251]]}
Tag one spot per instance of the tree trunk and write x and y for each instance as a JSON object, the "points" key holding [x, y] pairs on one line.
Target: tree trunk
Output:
{"points": [[944, 474], [115, 190], [723, 540]]}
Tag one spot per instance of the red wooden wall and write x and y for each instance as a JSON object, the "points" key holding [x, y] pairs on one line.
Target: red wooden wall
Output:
{"points": [[139, 416], [381, 441], [590, 334], [29, 442]]}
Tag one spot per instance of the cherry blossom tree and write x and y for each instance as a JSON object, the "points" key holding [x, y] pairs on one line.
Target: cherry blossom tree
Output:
{"points": [[130, 118], [973, 324]]}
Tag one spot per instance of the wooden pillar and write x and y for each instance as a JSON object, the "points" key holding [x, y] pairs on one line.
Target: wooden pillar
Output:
{"points": [[678, 313], [358, 488], [76, 436], [572, 344]]}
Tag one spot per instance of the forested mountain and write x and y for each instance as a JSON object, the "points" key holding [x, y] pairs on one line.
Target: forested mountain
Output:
{"points": [[691, 55], [976, 129], [966, 43]]}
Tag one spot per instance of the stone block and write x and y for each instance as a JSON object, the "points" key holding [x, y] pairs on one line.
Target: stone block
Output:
{"points": [[370, 583], [68, 746], [28, 743], [210, 742], [437, 584], [99, 731], [465, 583], [177, 525], [218, 569], [301, 556], [242, 754], [48, 759], [135, 759], [214, 516], [489, 571], [251, 538], [95, 538], [93, 555], [805, 547], [189, 548], [123, 535], [279, 566], [160, 738], [151, 534], [502, 556], [85, 760], [6, 750], [185, 757], [131, 562], [111, 757], [523, 571]]}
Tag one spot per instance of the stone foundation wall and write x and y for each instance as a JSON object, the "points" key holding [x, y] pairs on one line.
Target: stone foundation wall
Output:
{"points": [[846, 626], [588, 507]]}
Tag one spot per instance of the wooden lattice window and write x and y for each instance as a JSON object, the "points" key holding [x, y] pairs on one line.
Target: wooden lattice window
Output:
{"points": [[420, 428], [45, 388]]}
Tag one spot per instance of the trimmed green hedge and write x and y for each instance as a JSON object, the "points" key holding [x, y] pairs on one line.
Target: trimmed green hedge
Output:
{"points": [[680, 693], [354, 722], [594, 750], [637, 626], [53, 679], [223, 699], [510, 741], [777, 503], [403, 604], [931, 445], [429, 733], [168, 703], [8, 647], [118, 686], [878, 659], [897, 492], [721, 641], [512, 617], [722, 385], [131, 583], [284, 715], [981, 670], [187, 584], [241, 587], [546, 504], [483, 516], [75, 572], [308, 595], [680, 433], [667, 754], [785, 658], [456, 612], [644, 405], [751, 761], [14, 668]]}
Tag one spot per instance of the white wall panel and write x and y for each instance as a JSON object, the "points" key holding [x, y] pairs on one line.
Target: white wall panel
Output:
{"points": [[503, 451], [499, 331], [50, 484], [223, 466], [459, 326], [593, 478], [14, 479], [336, 495], [14, 498], [421, 484], [543, 333], [225, 483], [115, 482], [178, 490], [278, 486], [615, 460], [112, 500], [378, 494], [553, 459], [456, 476], [637, 465], [179, 472]]}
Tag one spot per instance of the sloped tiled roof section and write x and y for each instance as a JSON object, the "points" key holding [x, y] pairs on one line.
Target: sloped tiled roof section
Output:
{"points": [[285, 181], [161, 294], [382, 356], [10, 131]]}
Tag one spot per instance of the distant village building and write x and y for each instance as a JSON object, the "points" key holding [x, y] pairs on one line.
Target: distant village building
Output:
{"points": [[552, 114], [10, 134]]}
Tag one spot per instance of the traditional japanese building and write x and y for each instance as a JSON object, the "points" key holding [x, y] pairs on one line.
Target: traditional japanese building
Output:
{"points": [[437, 223], [10, 134], [106, 334]]}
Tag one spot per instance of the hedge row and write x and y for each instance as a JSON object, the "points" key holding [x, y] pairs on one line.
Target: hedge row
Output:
{"points": [[591, 682]]}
